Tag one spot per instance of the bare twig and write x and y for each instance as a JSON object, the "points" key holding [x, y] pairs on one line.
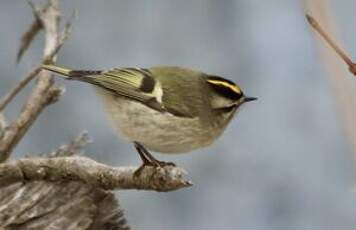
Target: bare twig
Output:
{"points": [[8, 97], [44, 92], [92, 173], [35, 71], [332, 43], [28, 36], [74, 147], [44, 96]]}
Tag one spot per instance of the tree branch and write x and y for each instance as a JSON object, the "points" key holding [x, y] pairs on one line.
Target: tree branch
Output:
{"points": [[34, 72], [31, 33], [44, 92], [90, 172], [74, 147]]}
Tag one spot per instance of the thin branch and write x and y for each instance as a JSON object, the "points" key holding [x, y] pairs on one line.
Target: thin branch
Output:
{"points": [[332, 43], [30, 34], [35, 71], [328, 39], [90, 172], [11, 95], [74, 147], [44, 96]]}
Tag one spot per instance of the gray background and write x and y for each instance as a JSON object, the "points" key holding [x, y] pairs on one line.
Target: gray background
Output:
{"points": [[283, 163]]}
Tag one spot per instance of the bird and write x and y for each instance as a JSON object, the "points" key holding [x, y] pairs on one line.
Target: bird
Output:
{"points": [[165, 109]]}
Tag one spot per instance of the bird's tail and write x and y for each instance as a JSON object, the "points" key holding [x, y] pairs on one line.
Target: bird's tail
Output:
{"points": [[64, 72], [80, 75]]}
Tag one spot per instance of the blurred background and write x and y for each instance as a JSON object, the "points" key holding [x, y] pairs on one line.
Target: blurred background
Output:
{"points": [[286, 161]]}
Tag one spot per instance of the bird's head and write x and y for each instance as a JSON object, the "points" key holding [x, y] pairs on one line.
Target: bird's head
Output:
{"points": [[226, 95]]}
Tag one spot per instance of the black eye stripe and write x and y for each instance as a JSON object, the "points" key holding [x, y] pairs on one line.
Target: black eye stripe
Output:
{"points": [[226, 92], [225, 87]]}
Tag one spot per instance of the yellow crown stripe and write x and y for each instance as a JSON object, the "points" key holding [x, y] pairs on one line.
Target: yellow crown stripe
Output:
{"points": [[226, 84]]}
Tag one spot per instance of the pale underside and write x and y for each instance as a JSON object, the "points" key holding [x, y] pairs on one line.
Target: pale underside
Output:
{"points": [[157, 131]]}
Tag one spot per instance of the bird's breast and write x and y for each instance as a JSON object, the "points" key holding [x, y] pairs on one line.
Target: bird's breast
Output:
{"points": [[157, 131]]}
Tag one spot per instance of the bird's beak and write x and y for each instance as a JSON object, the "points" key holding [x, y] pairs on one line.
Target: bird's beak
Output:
{"points": [[247, 99]]}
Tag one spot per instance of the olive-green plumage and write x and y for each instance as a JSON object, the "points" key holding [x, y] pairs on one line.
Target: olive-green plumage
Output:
{"points": [[179, 99], [166, 108]]}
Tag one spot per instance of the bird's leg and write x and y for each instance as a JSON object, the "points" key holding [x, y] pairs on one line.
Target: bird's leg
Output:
{"points": [[145, 160], [141, 151], [152, 159]]}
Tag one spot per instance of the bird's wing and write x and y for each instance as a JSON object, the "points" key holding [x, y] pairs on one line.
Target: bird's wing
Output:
{"points": [[133, 83], [146, 86]]}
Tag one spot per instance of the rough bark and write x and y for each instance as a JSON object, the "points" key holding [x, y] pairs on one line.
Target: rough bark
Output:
{"points": [[90, 172]]}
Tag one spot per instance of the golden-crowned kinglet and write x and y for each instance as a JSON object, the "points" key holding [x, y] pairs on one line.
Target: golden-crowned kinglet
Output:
{"points": [[165, 109]]}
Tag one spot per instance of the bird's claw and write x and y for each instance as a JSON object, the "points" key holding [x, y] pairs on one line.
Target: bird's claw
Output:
{"points": [[155, 164]]}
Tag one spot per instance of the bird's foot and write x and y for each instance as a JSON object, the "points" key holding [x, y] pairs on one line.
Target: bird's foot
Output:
{"points": [[164, 163], [148, 159]]}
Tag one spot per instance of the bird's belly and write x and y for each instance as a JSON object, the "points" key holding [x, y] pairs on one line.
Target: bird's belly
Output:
{"points": [[157, 131]]}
